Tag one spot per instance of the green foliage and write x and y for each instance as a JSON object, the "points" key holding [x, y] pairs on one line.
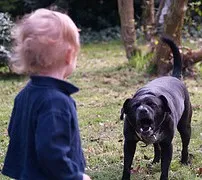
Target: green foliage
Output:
{"points": [[87, 13], [192, 25], [8, 5], [35, 4], [14, 7], [108, 34], [93, 14], [140, 61], [199, 68], [196, 7]]}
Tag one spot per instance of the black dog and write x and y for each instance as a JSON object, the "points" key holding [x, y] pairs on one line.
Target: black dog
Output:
{"points": [[154, 113]]}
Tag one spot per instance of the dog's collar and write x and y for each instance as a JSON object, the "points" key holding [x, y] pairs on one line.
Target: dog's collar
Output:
{"points": [[154, 134], [159, 126]]}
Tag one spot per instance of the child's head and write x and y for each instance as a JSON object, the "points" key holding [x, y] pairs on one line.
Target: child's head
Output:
{"points": [[42, 40]]}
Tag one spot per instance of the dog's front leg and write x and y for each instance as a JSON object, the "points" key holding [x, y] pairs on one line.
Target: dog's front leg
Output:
{"points": [[166, 156], [129, 151], [157, 153]]}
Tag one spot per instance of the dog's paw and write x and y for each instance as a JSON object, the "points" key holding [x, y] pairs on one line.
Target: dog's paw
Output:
{"points": [[187, 161], [156, 160], [125, 177]]}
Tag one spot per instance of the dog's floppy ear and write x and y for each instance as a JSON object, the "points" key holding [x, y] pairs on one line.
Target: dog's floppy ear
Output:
{"points": [[165, 104], [124, 109]]}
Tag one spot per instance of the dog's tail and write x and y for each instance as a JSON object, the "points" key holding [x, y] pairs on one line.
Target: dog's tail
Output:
{"points": [[177, 60]]}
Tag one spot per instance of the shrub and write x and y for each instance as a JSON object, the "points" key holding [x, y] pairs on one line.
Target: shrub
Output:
{"points": [[192, 26], [5, 37], [108, 34]]}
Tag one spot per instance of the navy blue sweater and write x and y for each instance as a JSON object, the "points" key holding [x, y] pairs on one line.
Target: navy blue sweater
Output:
{"points": [[44, 134]]}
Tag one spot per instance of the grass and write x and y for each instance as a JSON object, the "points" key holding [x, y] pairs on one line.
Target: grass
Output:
{"points": [[106, 80]]}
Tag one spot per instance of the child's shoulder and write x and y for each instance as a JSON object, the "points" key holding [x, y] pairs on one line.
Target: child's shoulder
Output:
{"points": [[43, 95]]}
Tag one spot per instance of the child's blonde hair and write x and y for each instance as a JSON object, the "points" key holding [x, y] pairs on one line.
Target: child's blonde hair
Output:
{"points": [[41, 41]]}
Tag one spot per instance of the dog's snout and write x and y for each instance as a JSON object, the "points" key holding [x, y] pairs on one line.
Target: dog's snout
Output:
{"points": [[142, 113], [142, 109]]}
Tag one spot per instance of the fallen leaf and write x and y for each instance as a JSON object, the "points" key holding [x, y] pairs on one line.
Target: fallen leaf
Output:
{"points": [[200, 171], [134, 171]]}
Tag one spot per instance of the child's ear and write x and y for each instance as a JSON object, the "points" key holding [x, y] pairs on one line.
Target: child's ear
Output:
{"points": [[69, 56]]}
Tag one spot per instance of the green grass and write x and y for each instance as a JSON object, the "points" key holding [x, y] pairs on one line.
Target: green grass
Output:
{"points": [[106, 80]]}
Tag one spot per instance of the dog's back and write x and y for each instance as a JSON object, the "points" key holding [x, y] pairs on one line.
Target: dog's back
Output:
{"points": [[170, 87]]}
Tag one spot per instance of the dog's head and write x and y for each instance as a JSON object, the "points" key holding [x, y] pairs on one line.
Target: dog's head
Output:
{"points": [[145, 113]]}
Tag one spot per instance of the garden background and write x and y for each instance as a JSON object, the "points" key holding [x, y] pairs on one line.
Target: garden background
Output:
{"points": [[106, 77]]}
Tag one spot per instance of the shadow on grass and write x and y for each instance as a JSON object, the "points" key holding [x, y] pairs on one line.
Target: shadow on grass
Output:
{"points": [[9, 76], [106, 173]]}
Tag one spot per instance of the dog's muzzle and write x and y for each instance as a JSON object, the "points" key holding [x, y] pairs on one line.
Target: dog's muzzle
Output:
{"points": [[144, 121]]}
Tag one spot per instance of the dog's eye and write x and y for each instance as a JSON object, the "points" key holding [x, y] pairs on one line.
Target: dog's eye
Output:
{"points": [[151, 104], [136, 105]]}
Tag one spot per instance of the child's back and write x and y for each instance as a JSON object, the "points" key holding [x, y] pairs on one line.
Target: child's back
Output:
{"points": [[44, 126]]}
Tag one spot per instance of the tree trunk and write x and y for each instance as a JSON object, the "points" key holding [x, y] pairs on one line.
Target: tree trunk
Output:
{"points": [[159, 16], [192, 57], [126, 13], [148, 19], [173, 23]]}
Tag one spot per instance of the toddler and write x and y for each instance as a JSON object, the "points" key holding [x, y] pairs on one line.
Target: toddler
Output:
{"points": [[43, 130]]}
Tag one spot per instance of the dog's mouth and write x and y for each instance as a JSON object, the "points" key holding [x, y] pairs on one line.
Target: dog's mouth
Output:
{"points": [[146, 128], [146, 131], [147, 134]]}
